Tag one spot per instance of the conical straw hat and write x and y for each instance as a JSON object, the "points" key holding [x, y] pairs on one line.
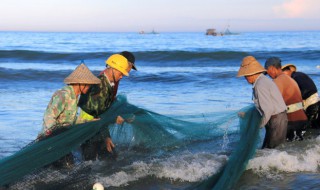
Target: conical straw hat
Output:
{"points": [[250, 66], [292, 67], [82, 75]]}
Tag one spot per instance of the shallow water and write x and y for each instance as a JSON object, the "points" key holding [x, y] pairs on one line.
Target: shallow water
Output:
{"points": [[188, 76]]}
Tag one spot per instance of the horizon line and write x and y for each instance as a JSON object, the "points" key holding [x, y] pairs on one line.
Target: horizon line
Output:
{"points": [[241, 31]]}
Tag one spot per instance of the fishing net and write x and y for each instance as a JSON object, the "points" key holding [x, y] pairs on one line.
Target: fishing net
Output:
{"points": [[146, 129], [249, 139]]}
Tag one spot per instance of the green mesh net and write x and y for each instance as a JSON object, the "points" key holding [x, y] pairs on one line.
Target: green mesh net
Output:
{"points": [[146, 129], [249, 139]]}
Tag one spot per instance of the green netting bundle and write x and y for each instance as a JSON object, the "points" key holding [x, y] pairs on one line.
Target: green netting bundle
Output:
{"points": [[232, 171], [154, 131], [146, 129]]}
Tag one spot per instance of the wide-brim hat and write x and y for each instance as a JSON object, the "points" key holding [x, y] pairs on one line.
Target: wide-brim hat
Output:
{"points": [[250, 66], [82, 75], [292, 67]]}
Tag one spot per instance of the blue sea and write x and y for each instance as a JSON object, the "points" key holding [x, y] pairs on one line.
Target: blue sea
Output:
{"points": [[189, 76]]}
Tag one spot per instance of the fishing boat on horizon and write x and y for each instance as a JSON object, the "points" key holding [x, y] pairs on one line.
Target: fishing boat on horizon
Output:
{"points": [[213, 32], [152, 32]]}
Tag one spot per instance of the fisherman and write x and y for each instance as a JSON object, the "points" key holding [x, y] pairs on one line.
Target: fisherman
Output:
{"points": [[297, 119], [131, 59], [309, 92], [99, 99], [268, 101], [62, 109]]}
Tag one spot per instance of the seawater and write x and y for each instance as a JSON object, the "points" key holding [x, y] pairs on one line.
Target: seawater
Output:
{"points": [[189, 76]]}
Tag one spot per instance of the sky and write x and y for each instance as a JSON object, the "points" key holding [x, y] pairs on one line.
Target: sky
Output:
{"points": [[159, 15]]}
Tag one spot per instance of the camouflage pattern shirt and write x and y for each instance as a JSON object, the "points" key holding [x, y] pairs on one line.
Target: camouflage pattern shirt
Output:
{"points": [[61, 110], [98, 98]]}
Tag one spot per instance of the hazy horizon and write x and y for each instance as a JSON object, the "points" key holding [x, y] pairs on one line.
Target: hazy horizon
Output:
{"points": [[159, 15]]}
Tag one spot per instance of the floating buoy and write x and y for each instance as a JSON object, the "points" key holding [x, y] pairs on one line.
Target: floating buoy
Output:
{"points": [[97, 186]]}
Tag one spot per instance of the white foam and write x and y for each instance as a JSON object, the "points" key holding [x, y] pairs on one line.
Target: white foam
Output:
{"points": [[186, 167], [269, 161]]}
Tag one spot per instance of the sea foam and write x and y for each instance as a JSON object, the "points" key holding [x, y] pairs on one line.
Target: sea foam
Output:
{"points": [[185, 167], [307, 159]]}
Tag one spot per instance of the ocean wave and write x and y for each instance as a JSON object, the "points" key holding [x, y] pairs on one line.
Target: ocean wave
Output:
{"points": [[160, 58], [185, 167], [32, 75], [52, 72], [298, 157], [42, 56]]}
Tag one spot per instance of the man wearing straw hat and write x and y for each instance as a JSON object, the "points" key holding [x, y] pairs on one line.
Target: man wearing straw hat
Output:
{"points": [[268, 101], [297, 119], [62, 108], [98, 100], [309, 92]]}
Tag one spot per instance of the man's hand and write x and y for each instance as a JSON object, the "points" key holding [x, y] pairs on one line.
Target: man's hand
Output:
{"points": [[241, 114], [48, 133], [109, 144], [119, 120]]}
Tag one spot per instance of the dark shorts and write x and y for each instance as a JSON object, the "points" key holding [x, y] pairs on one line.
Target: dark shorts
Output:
{"points": [[276, 130], [312, 113], [295, 129]]}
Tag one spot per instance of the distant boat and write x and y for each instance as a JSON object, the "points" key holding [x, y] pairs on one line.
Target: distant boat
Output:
{"points": [[152, 32], [213, 32], [228, 32]]}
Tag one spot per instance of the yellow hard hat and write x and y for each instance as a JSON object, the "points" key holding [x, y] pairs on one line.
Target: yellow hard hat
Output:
{"points": [[118, 62]]}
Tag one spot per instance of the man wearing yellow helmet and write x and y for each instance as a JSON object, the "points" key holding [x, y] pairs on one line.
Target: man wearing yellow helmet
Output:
{"points": [[131, 59], [99, 99]]}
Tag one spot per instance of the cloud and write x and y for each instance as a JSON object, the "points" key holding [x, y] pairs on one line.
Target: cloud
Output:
{"points": [[298, 9]]}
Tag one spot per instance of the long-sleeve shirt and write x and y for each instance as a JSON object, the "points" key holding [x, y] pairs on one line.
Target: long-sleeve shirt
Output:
{"points": [[98, 98], [61, 110], [267, 98], [291, 94]]}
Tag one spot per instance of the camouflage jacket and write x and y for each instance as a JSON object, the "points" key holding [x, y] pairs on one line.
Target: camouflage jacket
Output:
{"points": [[61, 110], [98, 98]]}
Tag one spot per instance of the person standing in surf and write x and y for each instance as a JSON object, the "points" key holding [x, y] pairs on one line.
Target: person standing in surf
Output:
{"points": [[99, 99], [309, 92], [62, 109], [268, 101], [297, 119], [131, 59]]}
